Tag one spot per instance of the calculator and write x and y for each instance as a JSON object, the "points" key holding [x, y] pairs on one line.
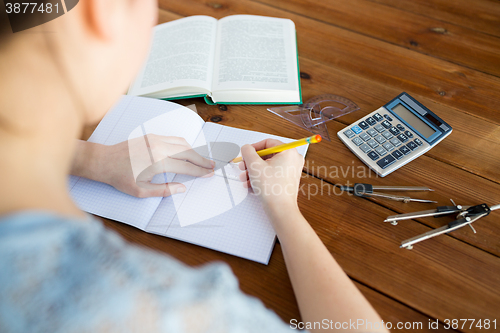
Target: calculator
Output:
{"points": [[394, 134]]}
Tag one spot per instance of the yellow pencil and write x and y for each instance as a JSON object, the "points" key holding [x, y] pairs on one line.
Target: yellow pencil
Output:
{"points": [[280, 148]]}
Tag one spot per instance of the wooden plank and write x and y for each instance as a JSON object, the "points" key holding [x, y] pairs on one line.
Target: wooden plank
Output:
{"points": [[166, 16], [474, 144], [398, 314], [453, 85], [481, 15], [447, 41], [447, 181], [439, 278]]}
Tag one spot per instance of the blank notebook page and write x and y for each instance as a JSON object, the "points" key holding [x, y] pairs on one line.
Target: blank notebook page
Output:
{"points": [[215, 212]]}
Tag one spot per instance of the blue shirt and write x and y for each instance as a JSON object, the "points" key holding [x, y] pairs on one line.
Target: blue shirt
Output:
{"points": [[68, 275]]}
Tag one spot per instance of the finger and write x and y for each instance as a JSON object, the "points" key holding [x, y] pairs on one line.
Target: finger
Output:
{"points": [[187, 168], [267, 143], [242, 165], [192, 156], [250, 155], [172, 165], [243, 176], [148, 189], [162, 150], [266, 157], [290, 155]]}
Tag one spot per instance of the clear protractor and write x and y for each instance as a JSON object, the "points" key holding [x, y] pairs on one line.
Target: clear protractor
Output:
{"points": [[323, 108]]}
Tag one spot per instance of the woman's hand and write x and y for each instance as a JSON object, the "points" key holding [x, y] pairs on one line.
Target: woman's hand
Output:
{"points": [[130, 166], [321, 287], [275, 179]]}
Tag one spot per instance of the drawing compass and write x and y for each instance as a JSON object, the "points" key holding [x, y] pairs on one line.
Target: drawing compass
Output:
{"points": [[466, 215]]}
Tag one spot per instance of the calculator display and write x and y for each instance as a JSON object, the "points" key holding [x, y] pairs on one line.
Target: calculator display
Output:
{"points": [[413, 121]]}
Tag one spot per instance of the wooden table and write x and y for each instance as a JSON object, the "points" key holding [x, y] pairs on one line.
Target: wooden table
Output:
{"points": [[447, 55]]}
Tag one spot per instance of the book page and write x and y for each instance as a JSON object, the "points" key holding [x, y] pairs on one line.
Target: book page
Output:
{"points": [[255, 52], [181, 57], [133, 117]]}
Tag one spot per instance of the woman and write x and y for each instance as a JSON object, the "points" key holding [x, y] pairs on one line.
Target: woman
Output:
{"points": [[61, 271]]}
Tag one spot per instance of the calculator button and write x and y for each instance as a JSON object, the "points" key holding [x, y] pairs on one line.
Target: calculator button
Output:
{"points": [[400, 127], [381, 151], [387, 135], [365, 136], [349, 133], [373, 155], [357, 141], [409, 134], [386, 116], [380, 139], [386, 161], [403, 138], [396, 142], [372, 143], [380, 128], [377, 117], [386, 124], [397, 154], [363, 125], [370, 121], [372, 132], [356, 129], [388, 146], [412, 145], [394, 131], [365, 148], [418, 141], [405, 150]]}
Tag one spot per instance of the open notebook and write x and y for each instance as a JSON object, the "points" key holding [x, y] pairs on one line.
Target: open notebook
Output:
{"points": [[216, 212]]}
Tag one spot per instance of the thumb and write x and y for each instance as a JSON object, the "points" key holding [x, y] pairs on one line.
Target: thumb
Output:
{"points": [[250, 155]]}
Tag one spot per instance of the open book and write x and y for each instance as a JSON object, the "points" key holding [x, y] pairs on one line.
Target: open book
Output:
{"points": [[215, 212], [239, 59]]}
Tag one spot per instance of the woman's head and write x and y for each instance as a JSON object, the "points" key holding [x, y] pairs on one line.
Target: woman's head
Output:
{"points": [[95, 50]]}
